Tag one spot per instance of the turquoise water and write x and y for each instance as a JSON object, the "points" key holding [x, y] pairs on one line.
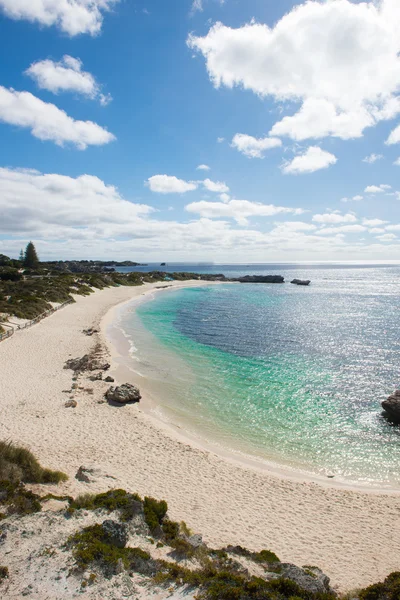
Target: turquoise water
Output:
{"points": [[294, 375]]}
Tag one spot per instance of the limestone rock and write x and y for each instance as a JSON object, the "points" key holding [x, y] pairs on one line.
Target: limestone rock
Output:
{"points": [[391, 406], [109, 379], [71, 404], [115, 533], [97, 377], [123, 394], [310, 579]]}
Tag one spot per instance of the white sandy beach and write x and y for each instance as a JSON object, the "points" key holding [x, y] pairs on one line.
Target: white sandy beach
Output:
{"points": [[354, 536]]}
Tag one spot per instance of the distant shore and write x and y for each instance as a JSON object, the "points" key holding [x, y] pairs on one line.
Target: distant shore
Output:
{"points": [[353, 536]]}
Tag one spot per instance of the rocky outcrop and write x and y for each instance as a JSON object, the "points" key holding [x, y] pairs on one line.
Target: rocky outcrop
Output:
{"points": [[115, 533], [261, 279], [310, 579], [109, 379], [301, 281], [86, 363], [123, 394], [391, 407]]}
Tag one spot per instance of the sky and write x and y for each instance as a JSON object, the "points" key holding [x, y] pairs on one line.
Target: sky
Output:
{"points": [[200, 130]]}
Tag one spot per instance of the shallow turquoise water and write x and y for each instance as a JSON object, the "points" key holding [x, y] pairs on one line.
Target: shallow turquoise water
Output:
{"points": [[295, 375]]}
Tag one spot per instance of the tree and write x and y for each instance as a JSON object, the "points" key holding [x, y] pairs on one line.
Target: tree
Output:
{"points": [[21, 256], [31, 260]]}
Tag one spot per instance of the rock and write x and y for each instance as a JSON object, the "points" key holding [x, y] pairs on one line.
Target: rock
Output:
{"points": [[90, 332], [310, 579], [119, 567], [71, 404], [301, 281], [196, 541], [391, 406], [97, 377], [123, 394], [86, 363], [54, 505], [261, 279], [92, 474], [109, 379], [115, 533]]}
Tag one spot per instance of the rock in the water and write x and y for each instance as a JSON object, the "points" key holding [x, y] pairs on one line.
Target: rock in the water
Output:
{"points": [[115, 533], [261, 279], [310, 579], [123, 394], [391, 406], [301, 281], [109, 379]]}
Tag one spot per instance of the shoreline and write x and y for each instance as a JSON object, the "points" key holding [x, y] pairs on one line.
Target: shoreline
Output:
{"points": [[302, 521], [153, 407]]}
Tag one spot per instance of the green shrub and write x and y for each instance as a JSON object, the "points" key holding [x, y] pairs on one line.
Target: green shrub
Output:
{"points": [[154, 513], [110, 501], [18, 500], [265, 556], [90, 546], [170, 530], [19, 464], [388, 590]]}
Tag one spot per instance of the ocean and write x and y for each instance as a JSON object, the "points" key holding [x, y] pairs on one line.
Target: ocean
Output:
{"points": [[290, 375]]}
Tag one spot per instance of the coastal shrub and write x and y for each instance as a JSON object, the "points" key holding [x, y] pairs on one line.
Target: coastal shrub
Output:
{"points": [[3, 574], [154, 513], [19, 464], [112, 500], [170, 530], [91, 546], [265, 556], [388, 590], [16, 499]]}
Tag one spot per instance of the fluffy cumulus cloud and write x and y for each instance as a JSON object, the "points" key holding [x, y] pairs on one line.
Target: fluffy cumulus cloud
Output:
{"points": [[73, 17], [394, 137], [334, 217], [169, 184], [339, 59], [203, 168], [239, 210], [377, 189], [67, 75], [216, 186], [47, 122], [254, 147], [313, 159], [373, 222]]}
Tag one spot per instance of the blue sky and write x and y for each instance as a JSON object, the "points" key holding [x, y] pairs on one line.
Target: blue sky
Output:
{"points": [[108, 108]]}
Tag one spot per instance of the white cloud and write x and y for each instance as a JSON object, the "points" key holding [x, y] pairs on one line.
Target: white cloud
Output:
{"points": [[253, 147], [313, 159], [73, 17], [66, 76], [375, 189], [340, 59], [47, 122], [239, 210], [334, 218], [387, 237], [203, 168], [342, 229], [397, 162], [377, 230], [394, 137], [216, 186], [167, 184], [220, 140], [357, 198], [372, 158], [373, 222], [224, 197], [197, 6]]}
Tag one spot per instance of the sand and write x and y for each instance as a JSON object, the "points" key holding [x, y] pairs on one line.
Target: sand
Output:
{"points": [[353, 535]]}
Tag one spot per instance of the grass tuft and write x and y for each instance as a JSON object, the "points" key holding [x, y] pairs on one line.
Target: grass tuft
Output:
{"points": [[19, 464]]}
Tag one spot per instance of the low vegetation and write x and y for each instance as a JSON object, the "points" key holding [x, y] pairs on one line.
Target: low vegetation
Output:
{"points": [[17, 464], [3, 574], [389, 589]]}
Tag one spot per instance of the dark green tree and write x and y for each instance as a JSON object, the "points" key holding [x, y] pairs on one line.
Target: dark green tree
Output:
{"points": [[21, 256], [31, 260]]}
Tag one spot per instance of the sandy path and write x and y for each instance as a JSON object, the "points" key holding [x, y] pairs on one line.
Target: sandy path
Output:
{"points": [[353, 536]]}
